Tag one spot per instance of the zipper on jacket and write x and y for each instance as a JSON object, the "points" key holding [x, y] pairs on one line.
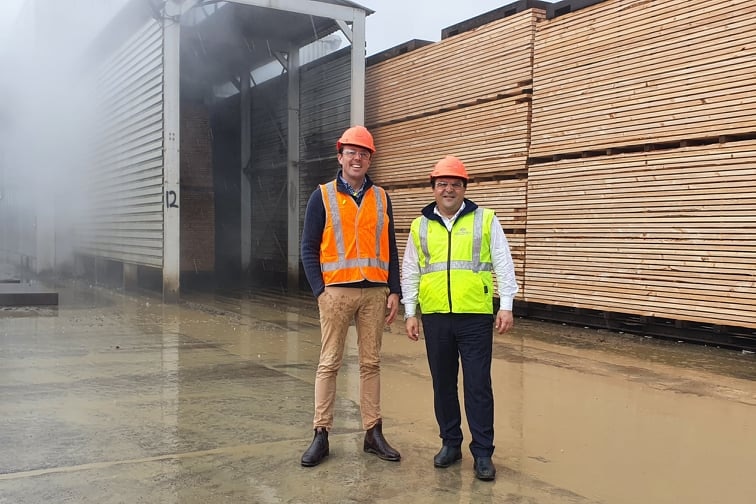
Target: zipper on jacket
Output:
{"points": [[448, 269]]}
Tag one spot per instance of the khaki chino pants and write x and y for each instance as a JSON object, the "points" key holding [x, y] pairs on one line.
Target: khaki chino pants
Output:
{"points": [[338, 307]]}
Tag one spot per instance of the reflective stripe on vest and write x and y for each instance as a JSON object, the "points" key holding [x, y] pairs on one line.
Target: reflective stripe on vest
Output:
{"points": [[348, 263], [474, 265]]}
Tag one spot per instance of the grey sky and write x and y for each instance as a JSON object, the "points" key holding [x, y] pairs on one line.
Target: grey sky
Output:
{"points": [[8, 11], [393, 22]]}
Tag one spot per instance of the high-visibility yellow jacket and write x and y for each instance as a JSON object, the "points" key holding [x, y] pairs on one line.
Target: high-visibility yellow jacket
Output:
{"points": [[355, 243], [455, 267]]}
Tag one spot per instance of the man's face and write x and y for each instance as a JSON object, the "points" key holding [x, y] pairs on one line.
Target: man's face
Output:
{"points": [[449, 193], [354, 162]]}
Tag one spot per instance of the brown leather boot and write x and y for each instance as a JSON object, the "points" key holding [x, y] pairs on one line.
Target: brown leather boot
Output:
{"points": [[318, 450], [376, 443]]}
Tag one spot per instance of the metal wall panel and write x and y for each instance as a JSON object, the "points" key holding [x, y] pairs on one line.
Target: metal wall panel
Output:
{"points": [[325, 107], [267, 177], [125, 214], [325, 91]]}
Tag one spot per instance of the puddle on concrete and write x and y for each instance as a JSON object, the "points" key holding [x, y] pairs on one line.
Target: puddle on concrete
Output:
{"points": [[119, 398]]}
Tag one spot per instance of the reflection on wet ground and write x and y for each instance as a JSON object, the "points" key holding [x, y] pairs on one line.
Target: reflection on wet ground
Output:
{"points": [[118, 398], [674, 353]]}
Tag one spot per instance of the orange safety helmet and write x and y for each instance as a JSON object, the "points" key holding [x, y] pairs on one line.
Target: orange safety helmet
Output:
{"points": [[449, 166], [357, 135]]}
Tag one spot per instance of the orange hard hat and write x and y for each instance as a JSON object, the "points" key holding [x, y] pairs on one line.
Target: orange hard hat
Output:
{"points": [[449, 166], [356, 135]]}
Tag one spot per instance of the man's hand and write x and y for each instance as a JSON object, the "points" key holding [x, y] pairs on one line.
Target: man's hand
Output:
{"points": [[504, 321], [392, 305], [413, 328]]}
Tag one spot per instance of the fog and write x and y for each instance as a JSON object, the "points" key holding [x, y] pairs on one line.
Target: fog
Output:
{"points": [[51, 128], [46, 126], [48, 115]]}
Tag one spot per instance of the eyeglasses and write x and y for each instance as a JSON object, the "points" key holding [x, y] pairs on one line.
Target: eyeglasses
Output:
{"points": [[454, 185], [352, 154]]}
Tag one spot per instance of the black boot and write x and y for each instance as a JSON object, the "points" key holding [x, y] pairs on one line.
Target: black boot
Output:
{"points": [[376, 443], [447, 456], [484, 468], [318, 450]]}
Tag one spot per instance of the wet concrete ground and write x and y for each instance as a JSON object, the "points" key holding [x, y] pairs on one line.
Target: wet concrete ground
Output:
{"points": [[114, 398]]}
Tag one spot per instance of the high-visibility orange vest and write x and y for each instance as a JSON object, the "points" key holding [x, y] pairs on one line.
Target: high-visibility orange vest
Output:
{"points": [[355, 243]]}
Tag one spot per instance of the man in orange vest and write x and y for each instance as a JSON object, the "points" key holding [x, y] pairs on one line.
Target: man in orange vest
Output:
{"points": [[351, 261]]}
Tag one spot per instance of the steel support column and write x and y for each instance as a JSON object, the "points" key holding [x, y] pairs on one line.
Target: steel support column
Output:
{"points": [[357, 109], [292, 170], [171, 153], [245, 193]]}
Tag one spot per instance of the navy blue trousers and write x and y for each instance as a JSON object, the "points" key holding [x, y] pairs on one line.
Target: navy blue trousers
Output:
{"points": [[449, 339]]}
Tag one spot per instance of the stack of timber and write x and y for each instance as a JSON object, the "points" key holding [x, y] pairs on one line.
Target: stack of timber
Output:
{"points": [[491, 139], [667, 234], [467, 96], [492, 61], [624, 73], [506, 197]]}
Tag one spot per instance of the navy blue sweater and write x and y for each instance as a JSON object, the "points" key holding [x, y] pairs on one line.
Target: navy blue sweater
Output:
{"points": [[312, 234]]}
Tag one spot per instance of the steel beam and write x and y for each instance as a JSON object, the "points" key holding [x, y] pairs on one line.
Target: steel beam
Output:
{"points": [[310, 7]]}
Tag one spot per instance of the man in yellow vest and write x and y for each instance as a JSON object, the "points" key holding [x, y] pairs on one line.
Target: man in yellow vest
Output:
{"points": [[351, 261], [453, 250]]}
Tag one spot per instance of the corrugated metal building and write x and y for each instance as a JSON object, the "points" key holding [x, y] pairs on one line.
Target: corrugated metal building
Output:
{"points": [[164, 198]]}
